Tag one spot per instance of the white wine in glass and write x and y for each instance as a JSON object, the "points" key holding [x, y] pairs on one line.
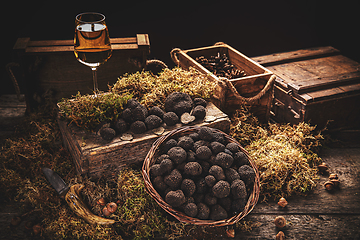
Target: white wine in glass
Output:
{"points": [[92, 42]]}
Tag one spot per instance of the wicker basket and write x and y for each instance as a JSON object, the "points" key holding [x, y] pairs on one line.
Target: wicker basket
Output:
{"points": [[150, 159]]}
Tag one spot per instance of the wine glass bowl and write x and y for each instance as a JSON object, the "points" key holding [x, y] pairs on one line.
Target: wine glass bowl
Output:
{"points": [[92, 42]]}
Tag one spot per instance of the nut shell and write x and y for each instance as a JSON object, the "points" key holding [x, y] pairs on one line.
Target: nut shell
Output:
{"points": [[282, 202], [280, 222], [280, 236], [111, 207], [333, 176], [329, 185]]}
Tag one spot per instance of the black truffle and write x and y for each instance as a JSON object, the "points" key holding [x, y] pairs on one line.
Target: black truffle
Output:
{"points": [[138, 127], [238, 189], [200, 143], [201, 186], [233, 147], [240, 159], [194, 136], [157, 111], [221, 189], [219, 137], [155, 170], [205, 133], [186, 142], [193, 168], [139, 113], [247, 174], [238, 205], [174, 179], [231, 174], [200, 102], [175, 198], [203, 153], [188, 187], [218, 213], [179, 103], [199, 112], [225, 203], [191, 209], [224, 160], [191, 156], [203, 211], [132, 103], [217, 172], [166, 165], [107, 133], [177, 154], [217, 147], [169, 144], [170, 118], [159, 184], [121, 126], [153, 121], [210, 180]]}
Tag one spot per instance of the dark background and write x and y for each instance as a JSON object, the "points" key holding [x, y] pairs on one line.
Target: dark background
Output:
{"points": [[252, 27]]}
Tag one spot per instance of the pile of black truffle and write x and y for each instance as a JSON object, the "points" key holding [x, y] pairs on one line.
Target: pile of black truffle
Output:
{"points": [[203, 175], [138, 119]]}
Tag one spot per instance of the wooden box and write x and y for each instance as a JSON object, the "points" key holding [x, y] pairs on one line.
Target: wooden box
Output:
{"points": [[315, 85], [249, 86], [96, 157], [51, 67]]}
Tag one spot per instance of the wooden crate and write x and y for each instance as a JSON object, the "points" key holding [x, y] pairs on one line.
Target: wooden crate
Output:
{"points": [[315, 85], [249, 86], [96, 157], [51, 66]]}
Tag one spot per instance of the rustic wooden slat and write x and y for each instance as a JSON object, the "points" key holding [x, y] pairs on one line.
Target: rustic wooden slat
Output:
{"points": [[21, 43], [44, 43], [142, 39], [292, 56]]}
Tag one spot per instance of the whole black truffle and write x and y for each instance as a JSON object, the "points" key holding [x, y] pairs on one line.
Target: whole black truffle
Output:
{"points": [[157, 111], [193, 168], [200, 143], [224, 160], [132, 103], [217, 172], [191, 209], [159, 184], [200, 101], [238, 205], [175, 198], [179, 103], [210, 180], [201, 186], [153, 121], [177, 154], [166, 166], [225, 203], [199, 112], [169, 144], [155, 170], [209, 199], [233, 147], [191, 156], [203, 153], [194, 136], [238, 189], [139, 113], [218, 213], [205, 133], [221, 189], [231, 174], [170, 118], [247, 174], [186, 142], [203, 211], [121, 126], [188, 187], [219, 137], [174, 179], [107, 133], [240, 159], [138, 127], [217, 147]]}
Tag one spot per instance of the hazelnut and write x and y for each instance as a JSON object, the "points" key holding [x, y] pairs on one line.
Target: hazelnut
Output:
{"points": [[323, 167], [336, 182], [106, 212], [329, 185], [280, 222], [111, 207], [333, 176], [280, 236], [282, 202], [101, 202]]}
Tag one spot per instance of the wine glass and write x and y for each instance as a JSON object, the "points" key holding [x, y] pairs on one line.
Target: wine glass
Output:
{"points": [[92, 42]]}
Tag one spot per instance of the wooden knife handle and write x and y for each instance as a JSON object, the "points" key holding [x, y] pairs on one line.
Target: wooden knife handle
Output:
{"points": [[79, 207]]}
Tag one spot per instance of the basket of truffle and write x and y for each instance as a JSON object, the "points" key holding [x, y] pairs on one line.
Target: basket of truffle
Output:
{"points": [[202, 176]]}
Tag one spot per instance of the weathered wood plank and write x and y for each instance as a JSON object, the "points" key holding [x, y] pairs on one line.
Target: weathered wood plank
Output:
{"points": [[292, 56]]}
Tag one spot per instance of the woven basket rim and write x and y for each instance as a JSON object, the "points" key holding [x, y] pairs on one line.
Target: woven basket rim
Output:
{"points": [[150, 158]]}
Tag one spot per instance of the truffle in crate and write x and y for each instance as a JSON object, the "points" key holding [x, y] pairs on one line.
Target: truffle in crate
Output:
{"points": [[201, 175]]}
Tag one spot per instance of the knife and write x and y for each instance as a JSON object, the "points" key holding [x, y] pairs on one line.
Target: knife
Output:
{"points": [[71, 195]]}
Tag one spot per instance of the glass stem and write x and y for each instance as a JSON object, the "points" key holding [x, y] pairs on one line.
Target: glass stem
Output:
{"points": [[94, 72]]}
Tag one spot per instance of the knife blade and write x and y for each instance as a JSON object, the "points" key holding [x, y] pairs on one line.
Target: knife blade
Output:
{"points": [[71, 195]]}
